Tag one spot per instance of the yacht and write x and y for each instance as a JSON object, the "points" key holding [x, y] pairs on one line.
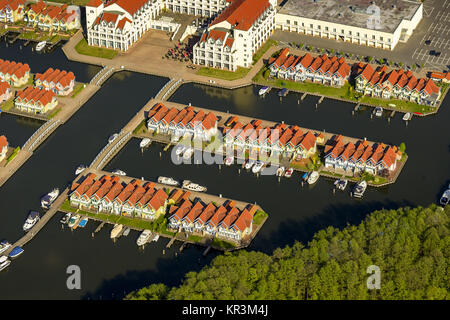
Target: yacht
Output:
{"points": [[263, 90], [189, 185], [4, 262], [4, 245], [257, 166], [113, 137], [169, 181], [41, 45], [65, 219], [407, 116], [115, 232], [445, 199], [179, 149], [313, 177], [359, 189], [378, 111], [80, 169], [144, 237], [280, 171], [249, 164], [188, 153], [341, 184], [229, 161], [145, 142], [49, 198], [83, 222], [73, 220], [15, 252], [288, 173], [32, 219], [119, 172]]}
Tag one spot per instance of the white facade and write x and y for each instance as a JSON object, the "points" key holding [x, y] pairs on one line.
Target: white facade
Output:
{"points": [[204, 8]]}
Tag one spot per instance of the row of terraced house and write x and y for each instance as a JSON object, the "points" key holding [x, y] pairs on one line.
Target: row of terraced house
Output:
{"points": [[281, 139], [52, 17], [16, 74], [110, 195], [184, 122], [321, 69], [225, 221], [354, 158], [12, 11], [398, 84]]}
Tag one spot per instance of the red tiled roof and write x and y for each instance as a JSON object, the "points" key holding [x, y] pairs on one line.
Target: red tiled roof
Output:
{"points": [[209, 121], [122, 22], [114, 191], [367, 72], [94, 3], [158, 199], [206, 214], [3, 87], [308, 141], [244, 220], [3, 142], [218, 216], [130, 6], [195, 211]]}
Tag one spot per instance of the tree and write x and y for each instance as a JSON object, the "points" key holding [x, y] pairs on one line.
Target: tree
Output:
{"points": [[331, 50], [369, 58], [402, 147], [400, 64]]}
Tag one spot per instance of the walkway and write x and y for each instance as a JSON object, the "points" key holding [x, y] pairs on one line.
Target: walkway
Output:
{"points": [[110, 150]]}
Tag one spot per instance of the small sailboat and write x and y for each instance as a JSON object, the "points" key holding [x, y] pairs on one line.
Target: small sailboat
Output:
{"points": [[115, 232], [15, 252], [83, 222], [229, 161], [378, 111], [119, 172], [313, 177], [341, 184], [263, 90], [32, 219], [41, 45], [359, 189], [407, 116], [445, 198], [144, 142], [143, 237], [4, 245], [65, 219], [73, 220], [288, 173], [280, 171], [4, 262], [80, 169]]}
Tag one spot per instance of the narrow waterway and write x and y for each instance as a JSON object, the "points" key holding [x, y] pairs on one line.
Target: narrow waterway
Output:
{"points": [[17, 129]]}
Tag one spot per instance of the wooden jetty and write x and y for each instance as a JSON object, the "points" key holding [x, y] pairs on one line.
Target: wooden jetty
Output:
{"points": [[392, 114], [206, 251], [183, 245], [304, 96], [171, 242], [320, 100], [100, 226]]}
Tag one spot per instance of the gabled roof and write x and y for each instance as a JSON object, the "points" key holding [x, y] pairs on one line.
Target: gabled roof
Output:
{"points": [[308, 141], [3, 142], [158, 199]]}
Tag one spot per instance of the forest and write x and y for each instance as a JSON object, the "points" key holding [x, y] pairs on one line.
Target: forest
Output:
{"points": [[411, 247]]}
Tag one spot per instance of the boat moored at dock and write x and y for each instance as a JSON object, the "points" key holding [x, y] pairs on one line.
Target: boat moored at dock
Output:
{"points": [[288, 173], [188, 153], [144, 237], [341, 184], [229, 161], [65, 219], [445, 198], [263, 90], [407, 116], [145, 142], [4, 262], [189, 185], [359, 189], [378, 111], [280, 171], [167, 180], [313, 177], [49, 198], [126, 232], [249, 164], [179, 149], [15, 252], [257, 166], [32, 219], [80, 169], [83, 222], [119, 172], [41, 45], [4, 245], [282, 92], [73, 220], [116, 231]]}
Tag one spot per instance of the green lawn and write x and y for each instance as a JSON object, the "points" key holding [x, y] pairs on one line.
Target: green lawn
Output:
{"points": [[223, 74], [8, 105], [74, 2], [140, 128], [259, 217], [78, 88], [54, 113], [13, 155], [222, 244], [83, 48], [266, 46]]}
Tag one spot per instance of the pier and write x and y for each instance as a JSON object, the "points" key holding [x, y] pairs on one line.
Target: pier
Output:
{"points": [[304, 96]]}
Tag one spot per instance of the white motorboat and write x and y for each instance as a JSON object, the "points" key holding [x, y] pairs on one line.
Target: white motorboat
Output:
{"points": [[378, 111], [49, 198], [341, 184], [257, 166], [80, 169], [263, 90], [229, 161], [65, 219], [249, 164], [189, 185], [126, 232], [288, 173], [41, 45], [4, 262], [359, 189], [144, 237], [144, 142], [155, 238], [73, 220], [169, 181], [32, 219], [188, 153], [445, 198], [407, 116], [179, 149], [119, 172], [4, 245], [280, 171], [115, 232], [113, 137], [313, 177]]}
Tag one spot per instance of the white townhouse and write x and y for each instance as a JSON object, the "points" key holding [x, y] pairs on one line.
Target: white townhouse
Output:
{"points": [[117, 24], [236, 34], [204, 8], [378, 23]]}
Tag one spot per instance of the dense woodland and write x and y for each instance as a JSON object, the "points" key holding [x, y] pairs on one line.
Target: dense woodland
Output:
{"points": [[410, 245]]}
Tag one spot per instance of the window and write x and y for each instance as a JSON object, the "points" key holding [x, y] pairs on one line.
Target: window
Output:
{"points": [[381, 38], [326, 28], [311, 25], [342, 31], [357, 34], [373, 37], [288, 21], [295, 23]]}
